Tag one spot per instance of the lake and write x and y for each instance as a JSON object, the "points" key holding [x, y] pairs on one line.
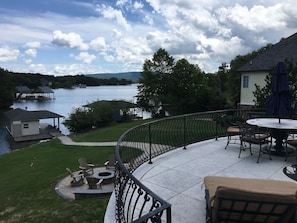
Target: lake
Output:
{"points": [[66, 100]]}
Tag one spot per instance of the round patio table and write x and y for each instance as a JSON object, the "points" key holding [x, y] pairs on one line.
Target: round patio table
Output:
{"points": [[279, 129]]}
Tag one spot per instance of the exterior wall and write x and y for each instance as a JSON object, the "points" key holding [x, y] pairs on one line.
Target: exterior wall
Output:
{"points": [[246, 94], [30, 128], [16, 129], [19, 129]]}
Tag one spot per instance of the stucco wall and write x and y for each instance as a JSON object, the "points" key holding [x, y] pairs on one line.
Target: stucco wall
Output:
{"points": [[246, 94]]}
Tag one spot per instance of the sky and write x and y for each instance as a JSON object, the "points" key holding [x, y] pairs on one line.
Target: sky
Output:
{"points": [[70, 37]]}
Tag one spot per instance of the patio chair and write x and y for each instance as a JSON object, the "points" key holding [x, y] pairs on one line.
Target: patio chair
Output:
{"points": [[292, 141], [87, 168], [249, 200], [77, 178], [110, 164], [253, 135], [94, 183], [232, 129]]}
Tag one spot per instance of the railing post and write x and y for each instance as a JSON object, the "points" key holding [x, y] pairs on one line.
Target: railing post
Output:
{"points": [[184, 120], [150, 144], [216, 128]]}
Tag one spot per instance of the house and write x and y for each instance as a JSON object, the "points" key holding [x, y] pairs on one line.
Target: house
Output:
{"points": [[255, 71], [25, 125], [39, 93]]}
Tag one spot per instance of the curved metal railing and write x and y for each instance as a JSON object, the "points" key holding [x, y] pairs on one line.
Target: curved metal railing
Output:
{"points": [[134, 201]]}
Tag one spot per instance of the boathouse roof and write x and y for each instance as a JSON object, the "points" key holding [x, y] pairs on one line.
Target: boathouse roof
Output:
{"points": [[19, 114]]}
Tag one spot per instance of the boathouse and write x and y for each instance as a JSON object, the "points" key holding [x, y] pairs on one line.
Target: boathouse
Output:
{"points": [[39, 93], [25, 125]]}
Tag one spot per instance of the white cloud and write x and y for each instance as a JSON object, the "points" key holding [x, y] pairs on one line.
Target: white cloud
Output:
{"points": [[37, 68], [8, 54], [110, 13], [257, 18], [98, 44], [70, 40], [74, 69], [33, 45], [137, 5], [85, 57], [31, 52], [125, 33]]}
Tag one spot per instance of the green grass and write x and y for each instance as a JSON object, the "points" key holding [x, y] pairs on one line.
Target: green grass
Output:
{"points": [[107, 134], [28, 178]]}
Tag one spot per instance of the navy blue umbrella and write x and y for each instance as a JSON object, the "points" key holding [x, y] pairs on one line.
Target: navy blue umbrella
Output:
{"points": [[279, 102]]}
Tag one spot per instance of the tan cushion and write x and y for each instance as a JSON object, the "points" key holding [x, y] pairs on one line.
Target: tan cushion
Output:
{"points": [[233, 130], [252, 185], [246, 206]]}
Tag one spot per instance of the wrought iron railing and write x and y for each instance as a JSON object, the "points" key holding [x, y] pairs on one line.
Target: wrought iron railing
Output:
{"points": [[134, 201]]}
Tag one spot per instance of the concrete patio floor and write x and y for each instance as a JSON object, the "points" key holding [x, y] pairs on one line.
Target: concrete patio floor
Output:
{"points": [[177, 176]]}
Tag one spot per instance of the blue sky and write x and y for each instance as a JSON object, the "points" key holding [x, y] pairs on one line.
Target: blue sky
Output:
{"points": [[69, 37]]}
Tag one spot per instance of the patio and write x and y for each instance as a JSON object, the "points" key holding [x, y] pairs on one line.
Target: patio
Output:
{"points": [[177, 176], [64, 189]]}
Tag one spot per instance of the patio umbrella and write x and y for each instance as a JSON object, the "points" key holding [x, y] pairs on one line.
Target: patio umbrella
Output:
{"points": [[279, 102]]}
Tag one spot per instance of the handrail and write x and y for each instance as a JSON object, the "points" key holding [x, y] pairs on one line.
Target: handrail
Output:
{"points": [[134, 201]]}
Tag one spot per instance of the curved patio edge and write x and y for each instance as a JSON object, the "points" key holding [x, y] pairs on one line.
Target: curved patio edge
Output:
{"points": [[63, 188]]}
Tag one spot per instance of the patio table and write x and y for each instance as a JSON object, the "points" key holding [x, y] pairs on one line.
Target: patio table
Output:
{"points": [[279, 129]]}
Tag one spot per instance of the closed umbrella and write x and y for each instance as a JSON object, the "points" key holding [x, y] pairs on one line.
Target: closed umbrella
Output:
{"points": [[279, 102]]}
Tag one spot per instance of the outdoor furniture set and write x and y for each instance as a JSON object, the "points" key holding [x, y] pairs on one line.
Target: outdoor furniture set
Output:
{"points": [[263, 131], [96, 178]]}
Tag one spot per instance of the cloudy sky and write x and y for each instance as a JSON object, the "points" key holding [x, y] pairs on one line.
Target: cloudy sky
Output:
{"points": [[69, 37]]}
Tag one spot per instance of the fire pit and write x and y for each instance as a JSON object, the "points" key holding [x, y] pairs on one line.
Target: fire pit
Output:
{"points": [[106, 175]]}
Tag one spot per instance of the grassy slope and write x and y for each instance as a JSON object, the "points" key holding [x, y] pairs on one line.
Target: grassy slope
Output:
{"points": [[28, 178]]}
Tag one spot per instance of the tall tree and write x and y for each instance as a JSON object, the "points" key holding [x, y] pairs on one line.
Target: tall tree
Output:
{"points": [[185, 86], [7, 89], [152, 88]]}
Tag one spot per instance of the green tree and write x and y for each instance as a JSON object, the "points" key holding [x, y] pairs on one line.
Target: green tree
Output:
{"points": [[152, 89], [79, 120], [184, 87], [7, 89]]}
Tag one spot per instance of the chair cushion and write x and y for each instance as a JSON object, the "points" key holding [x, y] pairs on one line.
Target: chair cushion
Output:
{"points": [[253, 185], [233, 130], [249, 189], [237, 205]]}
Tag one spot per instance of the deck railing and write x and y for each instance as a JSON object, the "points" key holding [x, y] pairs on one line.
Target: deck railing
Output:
{"points": [[134, 201]]}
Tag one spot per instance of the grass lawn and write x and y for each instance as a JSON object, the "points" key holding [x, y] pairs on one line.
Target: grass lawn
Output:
{"points": [[107, 134], [29, 176]]}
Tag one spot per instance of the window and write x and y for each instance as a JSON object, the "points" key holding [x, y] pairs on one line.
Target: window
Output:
{"points": [[245, 82], [26, 126]]}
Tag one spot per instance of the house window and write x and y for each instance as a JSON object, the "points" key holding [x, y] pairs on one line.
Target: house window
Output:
{"points": [[26, 126], [245, 82]]}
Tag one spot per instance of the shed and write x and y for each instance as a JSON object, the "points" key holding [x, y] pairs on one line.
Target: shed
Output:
{"points": [[25, 125]]}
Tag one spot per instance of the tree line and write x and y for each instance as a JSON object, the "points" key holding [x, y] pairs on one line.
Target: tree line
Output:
{"points": [[179, 87]]}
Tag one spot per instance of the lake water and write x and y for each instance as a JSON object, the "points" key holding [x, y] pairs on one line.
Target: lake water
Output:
{"points": [[66, 100]]}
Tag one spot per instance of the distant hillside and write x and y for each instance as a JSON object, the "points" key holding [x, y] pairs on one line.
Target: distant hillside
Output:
{"points": [[126, 75]]}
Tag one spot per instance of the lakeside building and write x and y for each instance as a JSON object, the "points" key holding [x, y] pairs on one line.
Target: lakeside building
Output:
{"points": [[40, 93], [25, 125]]}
